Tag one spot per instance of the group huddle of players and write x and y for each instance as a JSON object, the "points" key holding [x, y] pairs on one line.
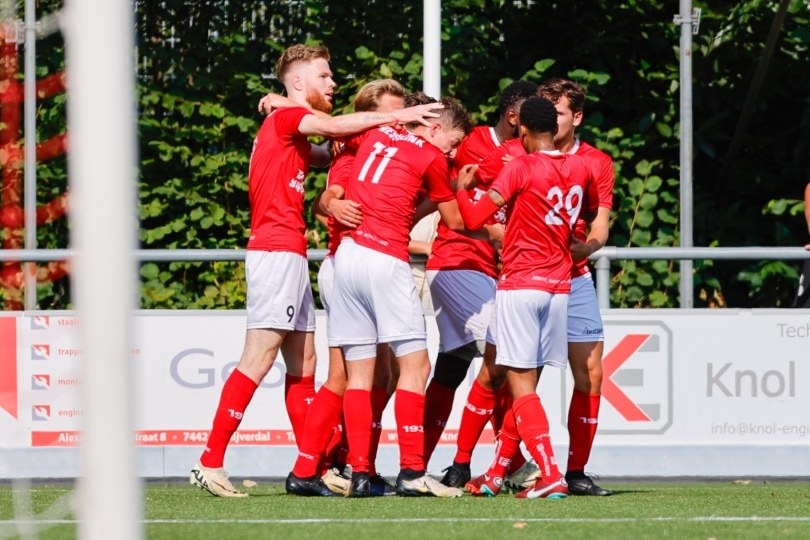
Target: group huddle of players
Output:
{"points": [[522, 203]]}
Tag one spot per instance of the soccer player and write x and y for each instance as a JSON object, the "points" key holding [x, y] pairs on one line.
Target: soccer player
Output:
{"points": [[462, 275], [375, 299], [546, 191], [585, 329], [280, 307], [310, 475]]}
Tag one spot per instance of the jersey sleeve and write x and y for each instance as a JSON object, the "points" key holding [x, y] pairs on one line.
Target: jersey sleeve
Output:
{"points": [[437, 179], [341, 168], [603, 177], [287, 121], [511, 179]]}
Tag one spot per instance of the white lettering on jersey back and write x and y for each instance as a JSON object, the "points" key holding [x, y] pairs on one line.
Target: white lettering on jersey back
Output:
{"points": [[408, 137]]}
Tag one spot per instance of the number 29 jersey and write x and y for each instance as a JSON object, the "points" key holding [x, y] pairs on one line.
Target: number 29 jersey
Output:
{"points": [[391, 168], [546, 193]]}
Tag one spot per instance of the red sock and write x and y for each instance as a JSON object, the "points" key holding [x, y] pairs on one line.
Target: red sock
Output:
{"points": [[332, 454], [357, 416], [474, 418], [236, 394], [298, 394], [438, 404], [323, 416], [583, 419], [503, 407], [503, 404], [409, 409], [507, 447], [532, 424], [379, 399]]}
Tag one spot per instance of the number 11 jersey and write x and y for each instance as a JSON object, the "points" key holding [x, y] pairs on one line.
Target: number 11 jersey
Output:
{"points": [[392, 169]]}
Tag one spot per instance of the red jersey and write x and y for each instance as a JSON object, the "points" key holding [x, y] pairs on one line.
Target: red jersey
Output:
{"points": [[547, 192], [455, 251], [339, 173], [602, 174], [492, 164], [390, 168], [278, 167], [601, 167]]}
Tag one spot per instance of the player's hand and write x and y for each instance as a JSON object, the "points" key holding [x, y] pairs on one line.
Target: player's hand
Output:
{"points": [[271, 102], [346, 212], [418, 113], [506, 158], [466, 177], [579, 249], [807, 247]]}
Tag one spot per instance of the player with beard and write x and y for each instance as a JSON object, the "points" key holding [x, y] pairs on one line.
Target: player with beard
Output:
{"points": [[547, 191], [280, 306]]}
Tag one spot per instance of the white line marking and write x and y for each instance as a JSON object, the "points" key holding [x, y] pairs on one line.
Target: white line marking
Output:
{"points": [[699, 519]]}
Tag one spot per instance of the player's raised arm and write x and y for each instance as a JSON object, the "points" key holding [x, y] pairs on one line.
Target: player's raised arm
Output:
{"points": [[348, 124]]}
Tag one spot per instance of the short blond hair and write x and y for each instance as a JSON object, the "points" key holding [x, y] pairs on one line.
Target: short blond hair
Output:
{"points": [[299, 54], [369, 96]]}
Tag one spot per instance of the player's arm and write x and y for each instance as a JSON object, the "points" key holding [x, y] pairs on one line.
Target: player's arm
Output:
{"points": [[344, 211], [317, 213], [475, 215], [424, 208], [348, 124], [272, 101], [319, 155], [597, 236]]}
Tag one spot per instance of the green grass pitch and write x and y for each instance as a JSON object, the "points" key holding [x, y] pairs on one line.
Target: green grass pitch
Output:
{"points": [[700, 510]]}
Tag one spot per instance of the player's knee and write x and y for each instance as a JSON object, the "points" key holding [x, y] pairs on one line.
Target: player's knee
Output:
{"points": [[450, 370]]}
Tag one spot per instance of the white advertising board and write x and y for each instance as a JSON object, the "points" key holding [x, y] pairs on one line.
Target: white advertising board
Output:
{"points": [[685, 393]]}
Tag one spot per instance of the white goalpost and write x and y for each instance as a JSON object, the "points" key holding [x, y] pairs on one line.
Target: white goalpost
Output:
{"points": [[99, 44]]}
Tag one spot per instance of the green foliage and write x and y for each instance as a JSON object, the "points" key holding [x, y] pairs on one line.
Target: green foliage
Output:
{"points": [[202, 66]]}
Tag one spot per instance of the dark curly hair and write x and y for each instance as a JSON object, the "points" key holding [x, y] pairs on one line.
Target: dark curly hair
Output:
{"points": [[514, 93], [538, 115]]}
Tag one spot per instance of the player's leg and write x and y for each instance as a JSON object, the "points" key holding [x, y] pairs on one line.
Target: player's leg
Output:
{"points": [[448, 373], [298, 349], [322, 423], [463, 301], [386, 374], [357, 415], [585, 349], [477, 411], [409, 409], [258, 355], [531, 330], [277, 285]]}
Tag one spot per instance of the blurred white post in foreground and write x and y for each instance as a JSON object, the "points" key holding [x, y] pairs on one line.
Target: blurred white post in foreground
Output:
{"points": [[102, 167]]}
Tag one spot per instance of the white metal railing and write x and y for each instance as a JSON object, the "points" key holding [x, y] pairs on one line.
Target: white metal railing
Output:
{"points": [[602, 259]]}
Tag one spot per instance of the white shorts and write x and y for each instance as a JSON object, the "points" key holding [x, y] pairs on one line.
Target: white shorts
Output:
{"points": [[584, 319], [373, 300], [531, 329], [278, 291], [326, 281], [463, 301]]}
